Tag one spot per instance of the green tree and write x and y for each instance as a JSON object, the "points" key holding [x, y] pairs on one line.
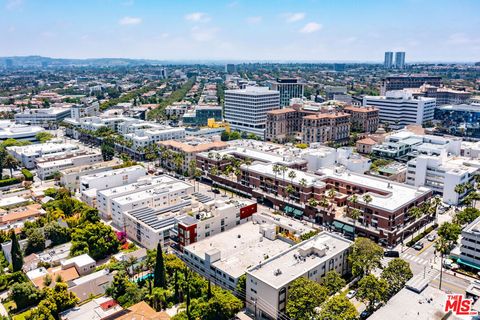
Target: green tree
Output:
{"points": [[44, 136], [450, 232], [56, 233], [35, 242], [304, 297], [108, 149], [16, 252], [338, 308], [396, 274], [11, 163], [25, 295], [333, 282], [466, 216], [372, 290], [366, 255], [96, 239], [159, 277]]}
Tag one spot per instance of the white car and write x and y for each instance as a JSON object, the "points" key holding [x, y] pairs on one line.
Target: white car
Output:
{"points": [[431, 237], [351, 294]]}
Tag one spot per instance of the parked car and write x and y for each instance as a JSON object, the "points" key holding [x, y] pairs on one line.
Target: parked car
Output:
{"points": [[365, 314], [431, 237], [418, 246], [351, 294], [391, 254]]}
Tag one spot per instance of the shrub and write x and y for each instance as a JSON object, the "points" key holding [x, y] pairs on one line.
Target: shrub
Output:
{"points": [[9, 182], [421, 235], [27, 174]]}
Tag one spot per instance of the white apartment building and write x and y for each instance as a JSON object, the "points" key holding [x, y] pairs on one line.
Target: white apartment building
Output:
{"points": [[225, 257], [209, 217], [246, 109], [82, 110], [10, 130], [105, 197], [143, 138], [70, 178], [43, 117], [399, 107], [470, 245], [442, 173], [27, 155], [268, 281], [156, 198], [90, 184], [47, 166]]}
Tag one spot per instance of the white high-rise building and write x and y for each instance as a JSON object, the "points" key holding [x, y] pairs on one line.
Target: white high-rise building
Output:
{"points": [[246, 109], [400, 60], [388, 62], [399, 107]]}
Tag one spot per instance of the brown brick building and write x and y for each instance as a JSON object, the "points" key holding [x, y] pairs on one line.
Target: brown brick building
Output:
{"points": [[326, 127], [363, 119]]}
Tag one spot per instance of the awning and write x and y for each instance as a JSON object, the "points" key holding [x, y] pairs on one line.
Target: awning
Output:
{"points": [[337, 225], [297, 213], [349, 229], [288, 210], [468, 264]]}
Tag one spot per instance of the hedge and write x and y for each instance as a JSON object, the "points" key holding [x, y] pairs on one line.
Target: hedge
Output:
{"points": [[27, 174], [421, 235], [9, 182]]}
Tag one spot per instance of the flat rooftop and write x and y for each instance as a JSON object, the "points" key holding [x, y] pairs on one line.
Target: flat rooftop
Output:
{"points": [[319, 249], [240, 248], [267, 169], [143, 183], [106, 174], [33, 149], [399, 194], [407, 304], [156, 190]]}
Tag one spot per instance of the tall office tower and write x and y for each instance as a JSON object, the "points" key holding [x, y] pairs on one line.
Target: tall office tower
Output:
{"points": [[288, 88], [388, 62], [400, 60], [246, 109], [230, 68]]}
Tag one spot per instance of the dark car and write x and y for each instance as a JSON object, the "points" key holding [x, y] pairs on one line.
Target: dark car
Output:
{"points": [[391, 254], [365, 314], [216, 191]]}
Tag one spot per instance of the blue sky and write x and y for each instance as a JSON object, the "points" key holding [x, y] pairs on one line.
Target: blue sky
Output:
{"points": [[316, 30]]}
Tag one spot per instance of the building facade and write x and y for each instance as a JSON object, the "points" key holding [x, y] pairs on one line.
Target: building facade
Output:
{"points": [[246, 109], [363, 119], [288, 88], [400, 108], [326, 127], [408, 81]]}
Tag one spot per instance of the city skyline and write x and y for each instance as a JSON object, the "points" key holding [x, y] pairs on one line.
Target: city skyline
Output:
{"points": [[308, 30]]}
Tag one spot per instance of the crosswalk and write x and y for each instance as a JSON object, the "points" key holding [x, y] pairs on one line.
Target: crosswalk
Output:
{"points": [[415, 259]]}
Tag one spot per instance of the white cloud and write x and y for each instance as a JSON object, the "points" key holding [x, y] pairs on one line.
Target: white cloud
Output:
{"points": [[294, 16], [254, 20], [311, 27], [130, 21], [203, 34], [197, 17], [462, 39]]}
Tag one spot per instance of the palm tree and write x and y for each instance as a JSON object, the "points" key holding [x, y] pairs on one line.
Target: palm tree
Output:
{"points": [[289, 190], [292, 175], [324, 202], [303, 182], [355, 214], [353, 200], [312, 202], [434, 204], [415, 213], [10, 162], [460, 189], [283, 169], [331, 193], [276, 170]]}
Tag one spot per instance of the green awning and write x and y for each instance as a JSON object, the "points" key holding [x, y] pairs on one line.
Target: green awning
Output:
{"points": [[297, 213], [349, 229], [288, 210], [337, 225], [468, 264]]}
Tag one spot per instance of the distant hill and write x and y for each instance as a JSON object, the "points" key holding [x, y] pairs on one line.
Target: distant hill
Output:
{"points": [[38, 61]]}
